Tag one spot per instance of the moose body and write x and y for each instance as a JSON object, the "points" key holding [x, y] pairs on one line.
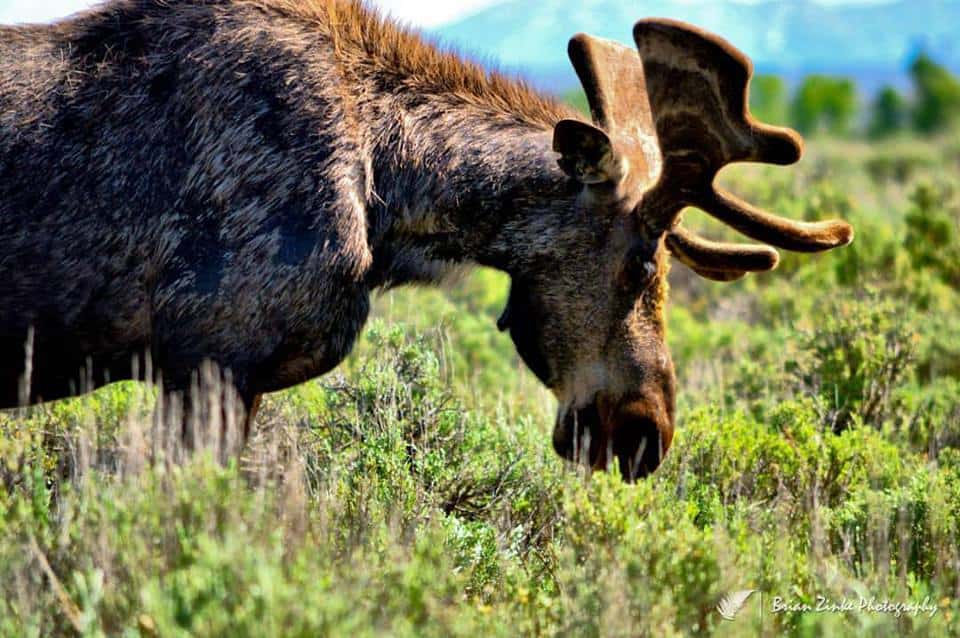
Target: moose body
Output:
{"points": [[230, 180], [214, 181]]}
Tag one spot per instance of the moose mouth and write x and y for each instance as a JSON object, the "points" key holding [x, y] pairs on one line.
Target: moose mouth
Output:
{"points": [[593, 436]]}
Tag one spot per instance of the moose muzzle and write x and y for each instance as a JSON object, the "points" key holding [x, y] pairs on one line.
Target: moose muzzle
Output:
{"points": [[633, 431]]}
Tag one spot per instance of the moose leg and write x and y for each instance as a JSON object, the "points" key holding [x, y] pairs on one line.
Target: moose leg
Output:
{"points": [[211, 410]]}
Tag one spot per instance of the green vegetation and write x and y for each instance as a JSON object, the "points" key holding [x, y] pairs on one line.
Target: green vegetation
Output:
{"points": [[769, 100], [824, 104], [414, 492], [889, 113], [829, 105], [938, 96]]}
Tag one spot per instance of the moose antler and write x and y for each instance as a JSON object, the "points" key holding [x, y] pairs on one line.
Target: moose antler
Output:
{"points": [[676, 108]]}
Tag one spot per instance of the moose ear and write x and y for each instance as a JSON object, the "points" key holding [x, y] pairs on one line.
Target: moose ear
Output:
{"points": [[587, 154]]}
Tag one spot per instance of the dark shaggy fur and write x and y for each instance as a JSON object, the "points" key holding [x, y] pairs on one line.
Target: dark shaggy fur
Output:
{"points": [[223, 180]]}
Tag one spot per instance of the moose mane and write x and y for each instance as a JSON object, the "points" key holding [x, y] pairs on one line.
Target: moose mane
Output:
{"points": [[360, 31]]}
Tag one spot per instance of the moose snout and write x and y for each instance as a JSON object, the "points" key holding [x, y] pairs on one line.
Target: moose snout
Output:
{"points": [[634, 432]]}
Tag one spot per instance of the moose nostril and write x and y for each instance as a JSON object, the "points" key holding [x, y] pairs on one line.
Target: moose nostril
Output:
{"points": [[577, 436], [639, 450], [641, 438], [632, 434]]}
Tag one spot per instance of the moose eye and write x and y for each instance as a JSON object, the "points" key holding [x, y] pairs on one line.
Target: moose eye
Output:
{"points": [[640, 264]]}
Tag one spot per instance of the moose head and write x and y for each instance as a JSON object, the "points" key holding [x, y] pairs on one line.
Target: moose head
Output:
{"points": [[667, 117]]}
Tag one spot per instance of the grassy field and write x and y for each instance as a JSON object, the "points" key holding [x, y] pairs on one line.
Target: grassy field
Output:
{"points": [[414, 492]]}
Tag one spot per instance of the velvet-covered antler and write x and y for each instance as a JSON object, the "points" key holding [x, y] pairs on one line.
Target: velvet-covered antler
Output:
{"points": [[612, 78], [676, 109]]}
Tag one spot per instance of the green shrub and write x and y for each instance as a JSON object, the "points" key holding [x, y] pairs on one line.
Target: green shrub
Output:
{"points": [[932, 239], [854, 358]]}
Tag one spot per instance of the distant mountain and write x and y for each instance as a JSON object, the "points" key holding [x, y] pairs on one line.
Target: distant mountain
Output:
{"points": [[872, 42]]}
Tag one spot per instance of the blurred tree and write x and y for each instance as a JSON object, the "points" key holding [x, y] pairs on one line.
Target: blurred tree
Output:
{"points": [[932, 238], [937, 96], [768, 99], [888, 113], [824, 103]]}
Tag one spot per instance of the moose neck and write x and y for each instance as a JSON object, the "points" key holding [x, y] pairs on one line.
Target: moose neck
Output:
{"points": [[454, 185]]}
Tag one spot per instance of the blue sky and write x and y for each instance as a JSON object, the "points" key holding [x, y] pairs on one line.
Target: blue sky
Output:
{"points": [[425, 13]]}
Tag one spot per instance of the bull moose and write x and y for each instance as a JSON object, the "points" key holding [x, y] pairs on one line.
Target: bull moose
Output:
{"points": [[228, 181]]}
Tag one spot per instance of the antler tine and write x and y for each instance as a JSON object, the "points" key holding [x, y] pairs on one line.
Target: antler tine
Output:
{"points": [[805, 237], [697, 85], [696, 252]]}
